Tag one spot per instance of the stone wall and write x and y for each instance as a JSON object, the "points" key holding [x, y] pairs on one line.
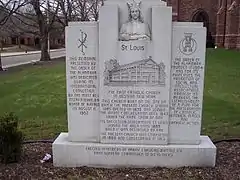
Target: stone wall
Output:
{"points": [[186, 10], [232, 25], [223, 18], [228, 24]]}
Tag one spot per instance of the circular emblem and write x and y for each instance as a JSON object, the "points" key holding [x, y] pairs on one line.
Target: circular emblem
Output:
{"points": [[188, 45]]}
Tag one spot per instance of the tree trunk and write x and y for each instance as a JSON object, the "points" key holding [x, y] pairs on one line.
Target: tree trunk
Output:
{"points": [[1, 45], [1, 69], [44, 49], [19, 43]]}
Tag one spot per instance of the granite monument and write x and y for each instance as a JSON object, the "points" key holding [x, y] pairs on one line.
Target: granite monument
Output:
{"points": [[134, 90]]}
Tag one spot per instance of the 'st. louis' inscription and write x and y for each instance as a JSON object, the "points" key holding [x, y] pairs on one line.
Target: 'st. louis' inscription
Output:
{"points": [[132, 48], [187, 74]]}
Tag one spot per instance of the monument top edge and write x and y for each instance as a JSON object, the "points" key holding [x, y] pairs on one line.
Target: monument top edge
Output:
{"points": [[155, 2], [77, 23], [136, 0]]}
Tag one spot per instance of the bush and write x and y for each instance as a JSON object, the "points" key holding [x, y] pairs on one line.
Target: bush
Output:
{"points": [[10, 139]]}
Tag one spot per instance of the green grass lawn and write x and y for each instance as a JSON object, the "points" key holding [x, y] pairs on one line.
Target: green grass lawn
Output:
{"points": [[37, 95], [221, 107]]}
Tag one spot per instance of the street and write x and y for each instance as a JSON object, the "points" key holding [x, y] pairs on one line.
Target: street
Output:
{"points": [[16, 59]]}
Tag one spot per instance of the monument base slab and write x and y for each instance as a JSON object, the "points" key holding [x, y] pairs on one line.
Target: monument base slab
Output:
{"points": [[78, 154]]}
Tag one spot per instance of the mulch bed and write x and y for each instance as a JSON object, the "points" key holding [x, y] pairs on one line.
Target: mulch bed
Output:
{"points": [[30, 167]]}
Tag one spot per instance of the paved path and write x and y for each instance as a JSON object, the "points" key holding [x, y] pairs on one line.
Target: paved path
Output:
{"points": [[20, 58]]}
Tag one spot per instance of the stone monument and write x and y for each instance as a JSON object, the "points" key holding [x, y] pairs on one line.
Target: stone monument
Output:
{"points": [[135, 84]]}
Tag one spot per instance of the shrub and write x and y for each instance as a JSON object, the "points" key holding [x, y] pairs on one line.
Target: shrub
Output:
{"points": [[10, 139]]}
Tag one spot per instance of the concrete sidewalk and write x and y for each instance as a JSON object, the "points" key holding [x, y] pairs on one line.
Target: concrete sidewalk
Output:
{"points": [[16, 59], [28, 53]]}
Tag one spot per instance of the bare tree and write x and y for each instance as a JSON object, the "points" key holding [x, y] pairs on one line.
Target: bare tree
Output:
{"points": [[7, 9], [46, 12], [66, 11], [78, 10], [38, 19], [95, 9], [44, 24]]}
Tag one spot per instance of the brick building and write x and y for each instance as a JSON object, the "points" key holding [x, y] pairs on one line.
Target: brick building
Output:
{"points": [[13, 36], [221, 17], [25, 34]]}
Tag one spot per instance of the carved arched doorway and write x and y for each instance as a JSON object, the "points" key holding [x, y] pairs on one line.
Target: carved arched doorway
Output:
{"points": [[201, 16]]}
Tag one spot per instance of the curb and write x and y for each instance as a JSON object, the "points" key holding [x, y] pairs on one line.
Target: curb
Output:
{"points": [[24, 63], [30, 53]]}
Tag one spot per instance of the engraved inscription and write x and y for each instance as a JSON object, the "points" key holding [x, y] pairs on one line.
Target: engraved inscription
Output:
{"points": [[132, 48], [186, 93], [134, 115], [133, 151], [82, 95]]}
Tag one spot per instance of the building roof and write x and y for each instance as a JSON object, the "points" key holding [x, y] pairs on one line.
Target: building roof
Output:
{"points": [[135, 63]]}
